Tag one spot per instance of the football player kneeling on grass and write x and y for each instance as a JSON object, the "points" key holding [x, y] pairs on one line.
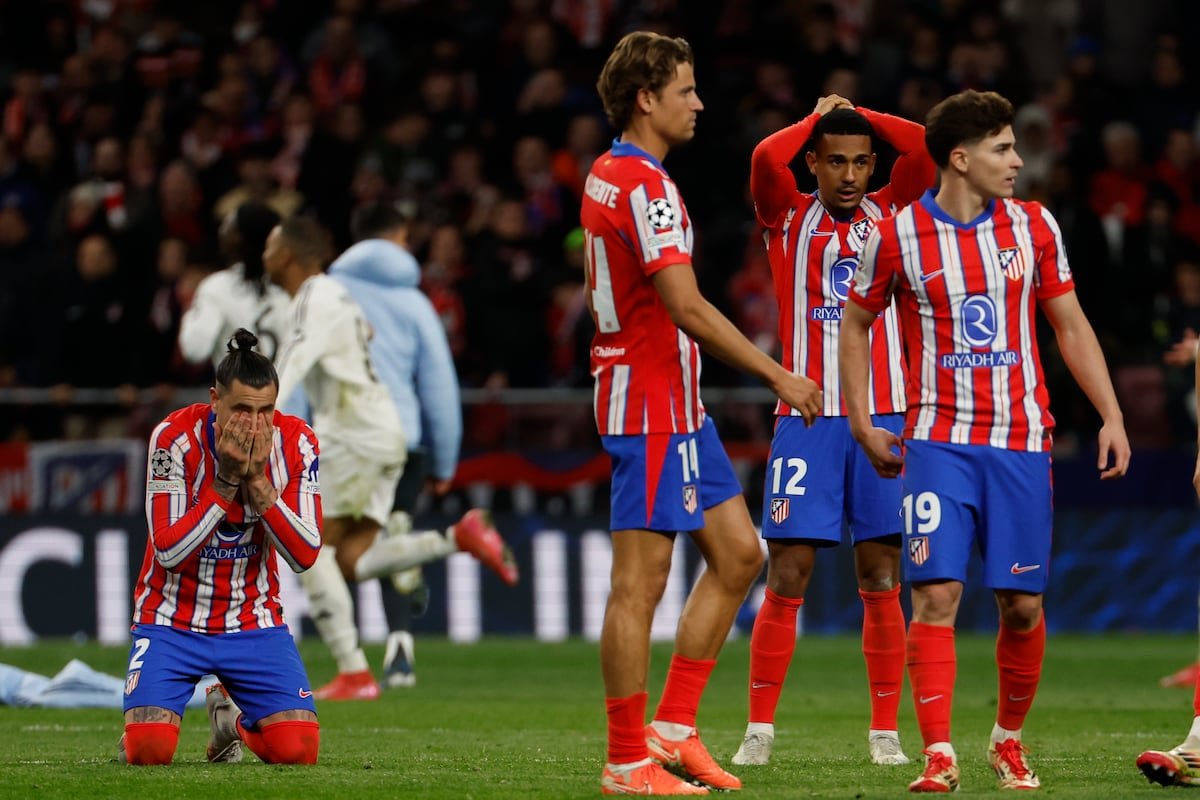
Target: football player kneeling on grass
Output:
{"points": [[230, 484]]}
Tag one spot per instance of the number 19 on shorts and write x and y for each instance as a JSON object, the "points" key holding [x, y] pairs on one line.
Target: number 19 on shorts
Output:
{"points": [[926, 508]]}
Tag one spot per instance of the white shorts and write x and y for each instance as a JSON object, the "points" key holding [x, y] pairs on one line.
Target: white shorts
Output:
{"points": [[355, 486]]}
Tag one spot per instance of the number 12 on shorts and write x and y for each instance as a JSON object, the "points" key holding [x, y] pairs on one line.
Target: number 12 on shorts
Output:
{"points": [[796, 469]]}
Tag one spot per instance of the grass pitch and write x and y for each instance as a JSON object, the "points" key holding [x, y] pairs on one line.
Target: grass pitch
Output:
{"points": [[513, 718]]}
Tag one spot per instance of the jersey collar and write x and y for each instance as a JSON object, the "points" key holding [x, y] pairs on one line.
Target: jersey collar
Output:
{"points": [[938, 213], [620, 148]]}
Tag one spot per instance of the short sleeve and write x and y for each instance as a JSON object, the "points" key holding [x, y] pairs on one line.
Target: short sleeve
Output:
{"points": [[877, 265]]}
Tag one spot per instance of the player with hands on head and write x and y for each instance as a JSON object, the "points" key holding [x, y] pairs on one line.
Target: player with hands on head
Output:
{"points": [[231, 484], [967, 265], [817, 478], [669, 470]]}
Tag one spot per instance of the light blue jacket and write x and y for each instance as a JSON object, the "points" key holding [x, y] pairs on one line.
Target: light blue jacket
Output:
{"points": [[409, 348]]}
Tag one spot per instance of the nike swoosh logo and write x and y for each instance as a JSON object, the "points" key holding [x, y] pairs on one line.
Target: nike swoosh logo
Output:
{"points": [[757, 685], [1012, 699], [924, 700], [304, 693], [934, 274], [820, 233], [1017, 569], [884, 694]]}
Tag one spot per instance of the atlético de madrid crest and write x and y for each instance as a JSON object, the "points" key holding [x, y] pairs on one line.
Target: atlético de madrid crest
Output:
{"points": [[690, 503], [1011, 262], [918, 549]]}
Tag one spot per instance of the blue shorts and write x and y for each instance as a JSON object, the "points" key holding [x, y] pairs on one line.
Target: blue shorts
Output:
{"points": [[260, 669], [956, 494], [664, 481], [819, 476]]}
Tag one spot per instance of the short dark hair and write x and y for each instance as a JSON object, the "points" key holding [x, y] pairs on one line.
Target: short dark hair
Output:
{"points": [[308, 241], [840, 122], [964, 118], [641, 60], [376, 220], [243, 364]]}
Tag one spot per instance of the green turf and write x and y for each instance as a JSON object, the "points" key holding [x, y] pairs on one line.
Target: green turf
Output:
{"points": [[514, 718]]}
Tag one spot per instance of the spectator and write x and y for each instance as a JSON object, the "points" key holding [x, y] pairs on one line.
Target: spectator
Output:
{"points": [[444, 268], [257, 184], [508, 301]]}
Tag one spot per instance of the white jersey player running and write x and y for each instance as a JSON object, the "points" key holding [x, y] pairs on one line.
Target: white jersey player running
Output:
{"points": [[325, 350]]}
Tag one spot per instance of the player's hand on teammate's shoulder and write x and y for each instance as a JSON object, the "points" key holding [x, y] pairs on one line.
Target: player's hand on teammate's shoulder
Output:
{"points": [[1114, 443], [830, 102]]}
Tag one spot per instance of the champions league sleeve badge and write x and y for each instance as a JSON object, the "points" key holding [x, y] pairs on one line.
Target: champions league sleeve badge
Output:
{"points": [[660, 213], [161, 463]]}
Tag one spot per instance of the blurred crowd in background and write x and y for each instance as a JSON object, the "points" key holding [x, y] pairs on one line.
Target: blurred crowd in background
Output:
{"points": [[130, 128]]}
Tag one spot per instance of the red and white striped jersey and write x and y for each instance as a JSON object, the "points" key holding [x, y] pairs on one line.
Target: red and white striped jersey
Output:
{"points": [[814, 255], [647, 371], [966, 297], [210, 564]]}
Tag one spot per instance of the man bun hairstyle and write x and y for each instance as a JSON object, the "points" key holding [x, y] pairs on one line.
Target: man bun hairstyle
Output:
{"points": [[242, 363], [964, 119], [841, 121], [641, 60]]}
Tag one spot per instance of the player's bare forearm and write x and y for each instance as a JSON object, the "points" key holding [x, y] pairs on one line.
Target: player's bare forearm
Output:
{"points": [[720, 337], [854, 366], [711, 329], [1082, 354]]}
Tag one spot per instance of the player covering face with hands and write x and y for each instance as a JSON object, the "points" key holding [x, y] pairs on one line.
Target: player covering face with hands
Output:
{"points": [[231, 485]]}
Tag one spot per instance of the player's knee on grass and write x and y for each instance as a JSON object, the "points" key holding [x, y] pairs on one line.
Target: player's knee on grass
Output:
{"points": [[150, 743], [287, 742]]}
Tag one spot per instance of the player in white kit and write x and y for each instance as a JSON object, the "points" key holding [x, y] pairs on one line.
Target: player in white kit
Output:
{"points": [[239, 296], [363, 449]]}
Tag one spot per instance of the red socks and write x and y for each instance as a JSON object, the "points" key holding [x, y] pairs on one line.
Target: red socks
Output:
{"points": [[883, 649], [150, 743], [772, 645], [686, 679], [288, 742], [626, 728], [1019, 663], [931, 668]]}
